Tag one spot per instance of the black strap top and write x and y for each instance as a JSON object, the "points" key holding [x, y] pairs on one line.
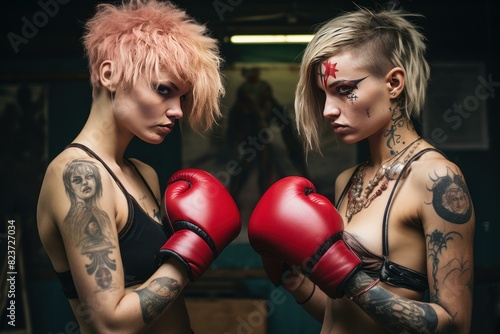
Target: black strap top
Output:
{"points": [[139, 240], [380, 266]]}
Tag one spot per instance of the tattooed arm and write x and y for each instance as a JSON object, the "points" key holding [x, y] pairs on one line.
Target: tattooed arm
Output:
{"points": [[86, 205], [447, 218], [449, 223]]}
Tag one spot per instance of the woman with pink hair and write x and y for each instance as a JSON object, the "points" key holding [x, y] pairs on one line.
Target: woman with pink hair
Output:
{"points": [[98, 212]]}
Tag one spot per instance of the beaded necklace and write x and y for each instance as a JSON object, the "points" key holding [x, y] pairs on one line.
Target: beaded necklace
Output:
{"points": [[357, 199]]}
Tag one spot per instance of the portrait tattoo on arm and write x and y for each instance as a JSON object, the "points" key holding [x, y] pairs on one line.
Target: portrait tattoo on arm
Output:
{"points": [[451, 201], [156, 296], [89, 225], [450, 198]]}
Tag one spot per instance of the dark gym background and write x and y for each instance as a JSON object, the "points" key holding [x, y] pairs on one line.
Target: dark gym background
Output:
{"points": [[51, 56]]}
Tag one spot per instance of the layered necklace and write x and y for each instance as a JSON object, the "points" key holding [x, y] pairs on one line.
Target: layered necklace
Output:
{"points": [[357, 198]]}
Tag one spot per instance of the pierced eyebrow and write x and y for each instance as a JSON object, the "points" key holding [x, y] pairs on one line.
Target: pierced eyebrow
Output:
{"points": [[354, 82]]}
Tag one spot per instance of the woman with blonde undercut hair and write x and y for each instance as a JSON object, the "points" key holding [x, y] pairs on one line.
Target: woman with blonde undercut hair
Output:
{"points": [[99, 214], [405, 215]]}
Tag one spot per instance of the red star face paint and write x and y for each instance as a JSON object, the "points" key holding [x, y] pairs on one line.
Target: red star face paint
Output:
{"points": [[330, 70]]}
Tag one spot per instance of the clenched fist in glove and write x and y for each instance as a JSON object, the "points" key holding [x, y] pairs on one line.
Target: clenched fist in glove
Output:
{"points": [[204, 219], [294, 224]]}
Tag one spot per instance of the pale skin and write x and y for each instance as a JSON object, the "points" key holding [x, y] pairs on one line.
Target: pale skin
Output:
{"points": [[118, 113], [431, 223]]}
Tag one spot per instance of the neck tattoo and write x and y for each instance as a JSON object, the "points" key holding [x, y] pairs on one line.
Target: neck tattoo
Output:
{"points": [[357, 199]]}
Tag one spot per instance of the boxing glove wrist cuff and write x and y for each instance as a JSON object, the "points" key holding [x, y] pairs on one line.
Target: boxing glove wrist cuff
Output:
{"points": [[185, 225], [337, 266], [325, 247], [165, 254], [191, 250]]}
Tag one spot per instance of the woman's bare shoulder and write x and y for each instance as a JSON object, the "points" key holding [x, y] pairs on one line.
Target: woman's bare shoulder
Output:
{"points": [[55, 184], [433, 165]]}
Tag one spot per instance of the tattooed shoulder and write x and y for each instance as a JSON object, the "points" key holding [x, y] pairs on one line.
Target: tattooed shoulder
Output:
{"points": [[83, 186], [450, 197], [88, 224]]}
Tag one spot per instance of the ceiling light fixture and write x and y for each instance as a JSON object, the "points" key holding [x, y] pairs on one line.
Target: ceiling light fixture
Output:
{"points": [[273, 39]]}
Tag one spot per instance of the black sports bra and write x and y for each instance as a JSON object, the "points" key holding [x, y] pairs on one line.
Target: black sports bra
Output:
{"points": [[380, 266], [139, 240]]}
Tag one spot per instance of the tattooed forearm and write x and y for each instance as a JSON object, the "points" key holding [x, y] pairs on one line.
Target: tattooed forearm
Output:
{"points": [[88, 224], [156, 296], [450, 197], [401, 314], [394, 313]]}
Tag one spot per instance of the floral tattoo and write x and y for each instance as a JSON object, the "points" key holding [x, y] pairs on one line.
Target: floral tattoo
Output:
{"points": [[458, 272]]}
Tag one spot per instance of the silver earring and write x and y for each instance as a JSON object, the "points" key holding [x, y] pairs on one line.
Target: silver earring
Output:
{"points": [[393, 94]]}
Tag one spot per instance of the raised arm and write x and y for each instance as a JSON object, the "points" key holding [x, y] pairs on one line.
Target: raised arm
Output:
{"points": [[447, 215], [84, 205], [77, 215]]}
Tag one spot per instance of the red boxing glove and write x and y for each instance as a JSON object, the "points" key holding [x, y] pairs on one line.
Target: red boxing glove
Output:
{"points": [[281, 274], [275, 269], [303, 229], [203, 216]]}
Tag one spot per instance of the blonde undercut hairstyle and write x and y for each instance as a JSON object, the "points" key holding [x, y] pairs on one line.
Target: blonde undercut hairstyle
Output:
{"points": [[380, 41], [145, 37]]}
